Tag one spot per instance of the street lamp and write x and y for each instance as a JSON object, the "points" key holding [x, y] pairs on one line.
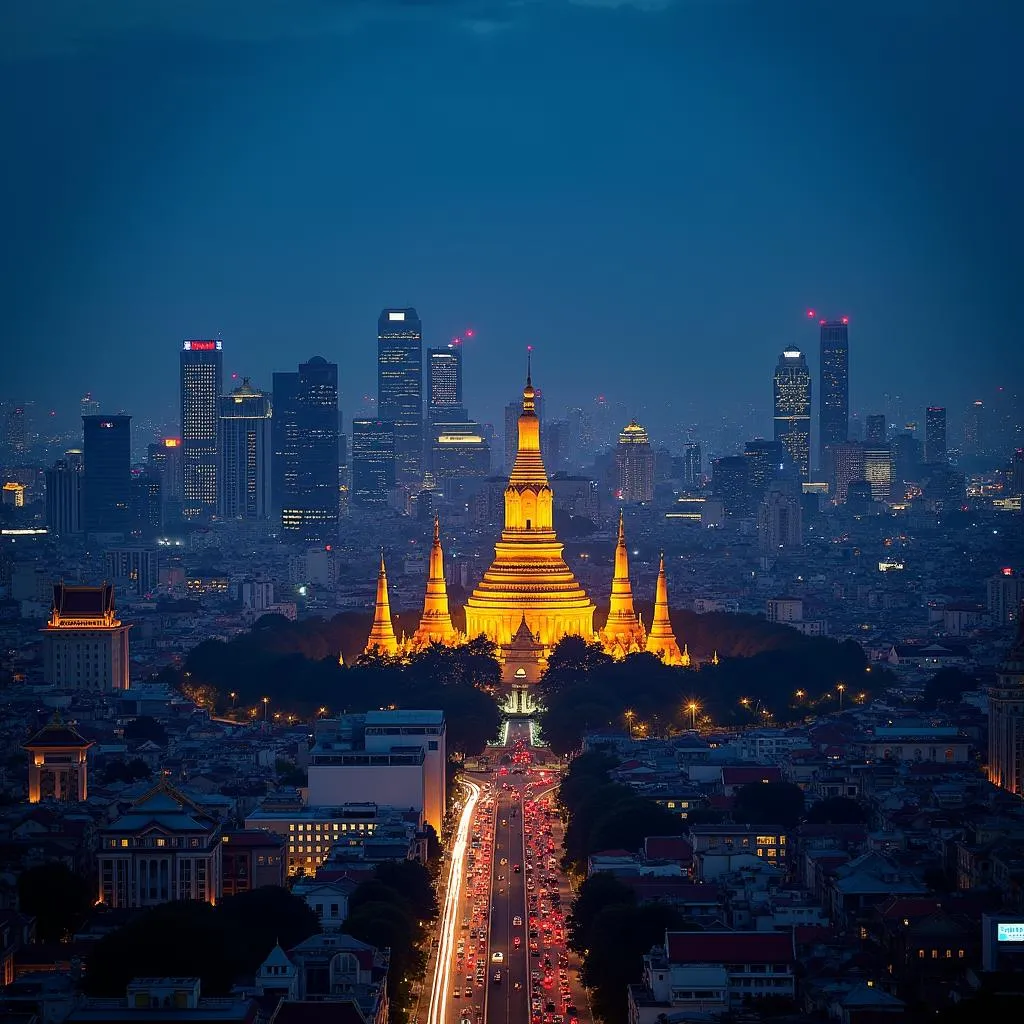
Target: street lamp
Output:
{"points": [[630, 714], [800, 695], [841, 687], [693, 707], [266, 705], [322, 712], [234, 698]]}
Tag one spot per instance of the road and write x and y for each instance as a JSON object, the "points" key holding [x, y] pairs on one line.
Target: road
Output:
{"points": [[481, 976]]}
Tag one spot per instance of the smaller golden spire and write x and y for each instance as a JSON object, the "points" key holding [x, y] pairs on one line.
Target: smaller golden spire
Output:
{"points": [[661, 639], [382, 639], [436, 621], [623, 632]]}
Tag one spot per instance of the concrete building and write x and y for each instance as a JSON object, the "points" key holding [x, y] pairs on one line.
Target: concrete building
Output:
{"points": [[85, 644]]}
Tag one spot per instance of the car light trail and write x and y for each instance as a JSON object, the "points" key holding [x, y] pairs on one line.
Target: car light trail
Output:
{"points": [[437, 1014]]}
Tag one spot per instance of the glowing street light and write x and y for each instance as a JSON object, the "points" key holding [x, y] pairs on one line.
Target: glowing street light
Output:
{"points": [[800, 694], [629, 715], [266, 706], [841, 687], [322, 712], [234, 697], [693, 707]]}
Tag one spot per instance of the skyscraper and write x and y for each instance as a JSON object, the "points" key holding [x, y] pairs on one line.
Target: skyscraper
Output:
{"points": [[512, 412], [400, 387], [311, 509], [444, 384], [793, 408], [64, 498], [284, 437], [974, 429], [201, 372], [373, 461], [634, 465], [1006, 719], [874, 431], [834, 413], [245, 451], [935, 434], [692, 464], [106, 479]]}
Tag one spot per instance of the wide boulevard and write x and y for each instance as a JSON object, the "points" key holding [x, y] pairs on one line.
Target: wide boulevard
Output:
{"points": [[501, 956]]}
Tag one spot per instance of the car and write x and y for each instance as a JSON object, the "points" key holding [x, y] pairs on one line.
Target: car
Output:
{"points": [[503, 861], [497, 957], [504, 821], [497, 977], [517, 942], [516, 868], [517, 921]]}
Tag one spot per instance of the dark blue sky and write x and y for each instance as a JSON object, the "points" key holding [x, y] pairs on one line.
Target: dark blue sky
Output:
{"points": [[651, 193]]}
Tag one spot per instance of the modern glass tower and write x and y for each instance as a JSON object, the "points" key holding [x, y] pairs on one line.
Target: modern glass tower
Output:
{"points": [[444, 384], [834, 399], [284, 439], [310, 511], [201, 373], [935, 434], [244, 485], [373, 461], [793, 408], [400, 387], [107, 474]]}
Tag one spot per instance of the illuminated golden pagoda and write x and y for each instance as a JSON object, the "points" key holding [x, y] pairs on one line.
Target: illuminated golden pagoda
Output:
{"points": [[623, 633], [528, 578], [661, 640], [436, 622], [382, 639]]}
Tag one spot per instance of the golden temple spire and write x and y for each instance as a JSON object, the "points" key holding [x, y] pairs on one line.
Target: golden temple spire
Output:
{"points": [[382, 639], [661, 640], [623, 633], [436, 622]]}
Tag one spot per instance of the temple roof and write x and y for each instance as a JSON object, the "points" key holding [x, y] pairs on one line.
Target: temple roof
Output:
{"points": [[83, 601], [57, 733]]}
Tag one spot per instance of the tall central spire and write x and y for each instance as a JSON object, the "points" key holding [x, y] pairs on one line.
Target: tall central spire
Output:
{"points": [[382, 639], [623, 632], [661, 640], [436, 622]]}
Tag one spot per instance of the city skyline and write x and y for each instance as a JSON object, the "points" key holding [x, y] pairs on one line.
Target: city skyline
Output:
{"points": [[522, 260]]}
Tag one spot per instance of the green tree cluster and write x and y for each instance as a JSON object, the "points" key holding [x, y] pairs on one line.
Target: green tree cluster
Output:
{"points": [[584, 689], [191, 939], [768, 803], [392, 910], [606, 815], [57, 897], [299, 670]]}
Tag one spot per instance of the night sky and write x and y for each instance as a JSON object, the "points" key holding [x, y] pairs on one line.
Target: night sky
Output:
{"points": [[651, 193]]}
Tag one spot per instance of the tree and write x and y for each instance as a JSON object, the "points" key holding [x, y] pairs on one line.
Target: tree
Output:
{"points": [[769, 803], [145, 728], [411, 880], [258, 919], [836, 810], [599, 891], [56, 897], [126, 771], [947, 686], [626, 823], [573, 661]]}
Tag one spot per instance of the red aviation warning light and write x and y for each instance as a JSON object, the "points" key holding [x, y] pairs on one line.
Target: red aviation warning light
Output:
{"points": [[469, 333], [845, 320], [810, 314]]}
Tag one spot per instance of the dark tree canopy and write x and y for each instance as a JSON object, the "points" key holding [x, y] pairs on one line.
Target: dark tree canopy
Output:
{"points": [[145, 728], [947, 686], [600, 890], [769, 803], [836, 810], [56, 897]]}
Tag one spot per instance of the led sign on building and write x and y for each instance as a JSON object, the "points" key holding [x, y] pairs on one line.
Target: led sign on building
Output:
{"points": [[1010, 932]]}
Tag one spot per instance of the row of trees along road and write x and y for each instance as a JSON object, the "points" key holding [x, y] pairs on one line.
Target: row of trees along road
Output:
{"points": [[583, 688]]}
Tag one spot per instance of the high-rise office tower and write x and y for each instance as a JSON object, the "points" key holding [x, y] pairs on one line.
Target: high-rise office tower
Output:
{"points": [[400, 388], [974, 430], [88, 405], [460, 451], [730, 484], [311, 509], [793, 408], [834, 414], [555, 445], [164, 459], [768, 462], [201, 371], [373, 461], [245, 451], [692, 472], [512, 413], [147, 505], [444, 384], [935, 434], [779, 521], [634, 465], [906, 453], [284, 436], [107, 473], [874, 431], [1016, 474], [1006, 719], [879, 470], [64, 498]]}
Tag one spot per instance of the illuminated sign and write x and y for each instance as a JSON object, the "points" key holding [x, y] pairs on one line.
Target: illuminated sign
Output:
{"points": [[172, 442], [201, 346], [1010, 932], [792, 353], [396, 316], [1007, 571]]}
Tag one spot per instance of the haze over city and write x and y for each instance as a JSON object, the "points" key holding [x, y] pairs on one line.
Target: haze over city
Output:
{"points": [[511, 512]]}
